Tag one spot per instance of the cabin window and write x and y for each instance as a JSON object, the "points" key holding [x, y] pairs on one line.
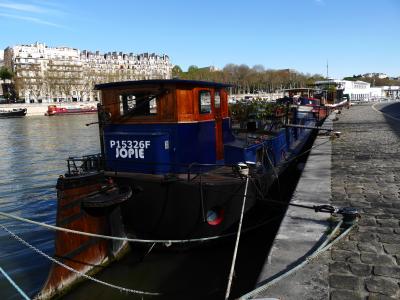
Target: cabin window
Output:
{"points": [[217, 99], [205, 102], [139, 104]]}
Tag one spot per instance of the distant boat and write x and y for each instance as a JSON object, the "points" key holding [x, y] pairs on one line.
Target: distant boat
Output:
{"points": [[16, 112], [53, 110]]}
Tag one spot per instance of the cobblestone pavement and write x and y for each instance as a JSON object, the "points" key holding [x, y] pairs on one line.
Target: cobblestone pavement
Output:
{"points": [[366, 175]]}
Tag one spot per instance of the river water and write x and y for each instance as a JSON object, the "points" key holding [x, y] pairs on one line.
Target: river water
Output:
{"points": [[33, 152]]}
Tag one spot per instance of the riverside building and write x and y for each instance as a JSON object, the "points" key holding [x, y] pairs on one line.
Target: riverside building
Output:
{"points": [[58, 74], [1, 58], [355, 90]]}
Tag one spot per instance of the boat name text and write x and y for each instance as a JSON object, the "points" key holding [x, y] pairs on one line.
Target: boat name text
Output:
{"points": [[129, 148]]}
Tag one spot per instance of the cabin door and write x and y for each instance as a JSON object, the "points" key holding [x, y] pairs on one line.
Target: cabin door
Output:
{"points": [[218, 126]]}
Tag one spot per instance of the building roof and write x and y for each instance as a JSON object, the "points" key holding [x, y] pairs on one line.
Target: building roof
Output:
{"points": [[177, 82]]}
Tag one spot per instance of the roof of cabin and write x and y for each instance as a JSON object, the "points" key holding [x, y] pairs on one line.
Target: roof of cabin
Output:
{"points": [[161, 82]]}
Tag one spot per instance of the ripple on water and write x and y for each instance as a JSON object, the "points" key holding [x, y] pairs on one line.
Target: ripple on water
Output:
{"points": [[33, 154]]}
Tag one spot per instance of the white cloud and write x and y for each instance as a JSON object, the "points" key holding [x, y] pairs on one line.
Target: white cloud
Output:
{"points": [[30, 19], [24, 7], [33, 12]]}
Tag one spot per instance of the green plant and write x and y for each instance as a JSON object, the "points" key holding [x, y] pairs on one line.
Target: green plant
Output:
{"points": [[256, 109]]}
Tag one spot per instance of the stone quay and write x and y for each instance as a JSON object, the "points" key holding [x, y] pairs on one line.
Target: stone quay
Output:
{"points": [[364, 174]]}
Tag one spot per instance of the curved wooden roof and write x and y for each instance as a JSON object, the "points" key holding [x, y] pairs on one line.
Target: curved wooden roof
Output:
{"points": [[161, 82]]}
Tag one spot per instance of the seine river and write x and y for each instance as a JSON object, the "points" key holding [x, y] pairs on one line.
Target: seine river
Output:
{"points": [[33, 152]]}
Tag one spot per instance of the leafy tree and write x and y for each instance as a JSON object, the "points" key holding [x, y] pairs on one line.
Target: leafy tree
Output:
{"points": [[252, 80], [176, 71], [258, 68], [192, 68], [5, 73]]}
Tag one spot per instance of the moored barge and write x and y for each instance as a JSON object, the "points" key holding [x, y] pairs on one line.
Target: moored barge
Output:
{"points": [[53, 110], [14, 113], [172, 166]]}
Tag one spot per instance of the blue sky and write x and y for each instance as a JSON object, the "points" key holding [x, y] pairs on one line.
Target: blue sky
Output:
{"points": [[355, 36]]}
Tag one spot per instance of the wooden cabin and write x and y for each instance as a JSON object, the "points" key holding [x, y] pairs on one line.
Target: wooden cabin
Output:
{"points": [[162, 126]]}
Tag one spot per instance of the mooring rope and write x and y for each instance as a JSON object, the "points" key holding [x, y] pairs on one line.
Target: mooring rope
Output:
{"points": [[120, 288], [19, 290], [133, 240], [322, 248], [228, 289]]}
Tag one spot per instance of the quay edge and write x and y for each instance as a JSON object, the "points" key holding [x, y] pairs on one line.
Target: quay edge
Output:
{"points": [[301, 231]]}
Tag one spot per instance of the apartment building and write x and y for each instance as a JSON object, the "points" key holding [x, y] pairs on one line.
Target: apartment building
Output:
{"points": [[55, 74], [1, 58]]}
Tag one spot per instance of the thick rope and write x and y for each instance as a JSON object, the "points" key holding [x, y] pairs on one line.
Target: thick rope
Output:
{"points": [[119, 288], [19, 290], [125, 239], [228, 289], [325, 246]]}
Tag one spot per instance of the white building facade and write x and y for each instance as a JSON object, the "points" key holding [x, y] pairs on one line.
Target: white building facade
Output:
{"points": [[356, 90], [55, 74], [391, 91], [1, 58]]}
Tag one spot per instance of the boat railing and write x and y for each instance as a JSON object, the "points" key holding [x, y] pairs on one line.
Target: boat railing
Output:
{"points": [[85, 164], [96, 163]]}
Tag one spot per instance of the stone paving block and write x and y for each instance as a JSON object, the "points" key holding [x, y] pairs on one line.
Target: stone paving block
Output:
{"points": [[389, 238], [344, 282], [391, 249], [374, 247], [388, 222], [374, 229], [344, 255], [367, 221], [372, 211], [363, 237], [359, 204], [387, 271], [339, 267], [381, 285], [354, 195], [384, 215], [374, 296], [384, 204], [345, 295], [360, 269], [377, 259], [347, 245]]}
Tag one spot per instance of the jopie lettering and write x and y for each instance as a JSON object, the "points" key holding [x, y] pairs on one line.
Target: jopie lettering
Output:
{"points": [[129, 148]]}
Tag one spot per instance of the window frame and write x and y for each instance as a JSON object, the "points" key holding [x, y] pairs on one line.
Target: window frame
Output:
{"points": [[215, 99], [200, 92], [124, 107]]}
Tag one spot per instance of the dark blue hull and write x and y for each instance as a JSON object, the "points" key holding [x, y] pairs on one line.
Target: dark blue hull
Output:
{"points": [[178, 206]]}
